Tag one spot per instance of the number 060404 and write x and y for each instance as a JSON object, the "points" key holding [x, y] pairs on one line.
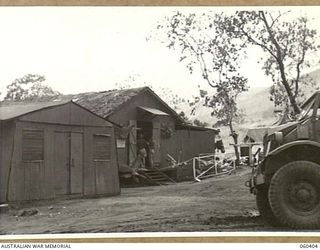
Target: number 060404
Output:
{"points": [[308, 245]]}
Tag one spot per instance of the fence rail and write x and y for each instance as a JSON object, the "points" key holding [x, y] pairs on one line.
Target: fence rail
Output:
{"points": [[207, 165]]}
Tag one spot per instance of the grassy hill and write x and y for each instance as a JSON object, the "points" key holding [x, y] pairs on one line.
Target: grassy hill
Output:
{"points": [[256, 105]]}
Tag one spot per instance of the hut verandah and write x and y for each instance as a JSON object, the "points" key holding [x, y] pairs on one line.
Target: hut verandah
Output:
{"points": [[53, 149]]}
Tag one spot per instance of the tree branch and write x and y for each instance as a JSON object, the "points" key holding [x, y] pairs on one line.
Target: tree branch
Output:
{"points": [[298, 68], [186, 44], [257, 43], [276, 19], [279, 59], [203, 65]]}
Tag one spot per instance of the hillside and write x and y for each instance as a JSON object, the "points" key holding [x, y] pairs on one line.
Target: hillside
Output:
{"points": [[256, 105], [259, 109]]}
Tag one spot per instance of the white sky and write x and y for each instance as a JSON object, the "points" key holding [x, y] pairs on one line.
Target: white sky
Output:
{"points": [[82, 49]]}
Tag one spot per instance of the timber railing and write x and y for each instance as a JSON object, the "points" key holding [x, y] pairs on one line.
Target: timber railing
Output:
{"points": [[209, 165]]}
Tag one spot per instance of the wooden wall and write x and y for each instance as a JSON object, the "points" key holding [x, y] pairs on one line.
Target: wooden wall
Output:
{"points": [[189, 143], [6, 146]]}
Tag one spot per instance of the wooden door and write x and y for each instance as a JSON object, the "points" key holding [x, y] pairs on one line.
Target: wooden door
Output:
{"points": [[68, 163], [76, 163], [61, 162], [156, 134]]}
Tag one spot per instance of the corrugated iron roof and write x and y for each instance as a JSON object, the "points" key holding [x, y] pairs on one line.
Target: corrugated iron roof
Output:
{"points": [[105, 102], [9, 110]]}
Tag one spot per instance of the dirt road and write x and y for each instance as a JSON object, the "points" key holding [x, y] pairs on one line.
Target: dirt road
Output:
{"points": [[216, 204]]}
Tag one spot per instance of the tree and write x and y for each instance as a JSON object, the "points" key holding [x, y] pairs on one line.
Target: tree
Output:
{"points": [[287, 43], [29, 87], [174, 100], [199, 123], [206, 47], [184, 117]]}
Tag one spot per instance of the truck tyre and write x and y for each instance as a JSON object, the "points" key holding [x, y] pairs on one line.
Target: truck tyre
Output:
{"points": [[264, 207], [294, 195]]}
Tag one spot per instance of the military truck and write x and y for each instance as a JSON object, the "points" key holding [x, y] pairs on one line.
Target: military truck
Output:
{"points": [[287, 180]]}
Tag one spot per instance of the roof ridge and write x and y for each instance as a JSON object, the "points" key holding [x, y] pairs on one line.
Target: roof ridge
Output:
{"points": [[106, 91], [6, 103]]}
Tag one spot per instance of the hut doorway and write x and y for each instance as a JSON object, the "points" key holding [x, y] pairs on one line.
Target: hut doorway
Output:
{"points": [[144, 129], [144, 139], [150, 132], [68, 158]]}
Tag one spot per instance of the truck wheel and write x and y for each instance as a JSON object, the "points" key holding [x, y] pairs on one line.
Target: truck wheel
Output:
{"points": [[264, 207], [294, 195]]}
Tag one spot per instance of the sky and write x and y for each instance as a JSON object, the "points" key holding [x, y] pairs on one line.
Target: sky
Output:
{"points": [[80, 49]]}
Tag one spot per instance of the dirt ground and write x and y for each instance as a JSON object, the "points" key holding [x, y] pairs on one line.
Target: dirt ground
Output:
{"points": [[216, 204]]}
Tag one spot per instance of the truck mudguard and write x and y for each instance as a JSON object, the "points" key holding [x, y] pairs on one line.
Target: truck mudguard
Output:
{"points": [[292, 144], [282, 155]]}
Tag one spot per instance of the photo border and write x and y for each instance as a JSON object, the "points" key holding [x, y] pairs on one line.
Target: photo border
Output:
{"points": [[136, 238]]}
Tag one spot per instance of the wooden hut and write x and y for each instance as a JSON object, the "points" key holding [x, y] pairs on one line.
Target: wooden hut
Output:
{"points": [[52, 149], [140, 110]]}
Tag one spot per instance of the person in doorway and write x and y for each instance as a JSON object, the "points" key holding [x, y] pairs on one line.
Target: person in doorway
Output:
{"points": [[142, 147], [138, 164], [141, 142]]}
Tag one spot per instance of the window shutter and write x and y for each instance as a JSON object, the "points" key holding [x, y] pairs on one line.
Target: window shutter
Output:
{"points": [[32, 145], [101, 147]]}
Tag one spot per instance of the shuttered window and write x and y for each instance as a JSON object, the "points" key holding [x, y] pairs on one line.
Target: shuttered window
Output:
{"points": [[101, 147], [32, 145]]}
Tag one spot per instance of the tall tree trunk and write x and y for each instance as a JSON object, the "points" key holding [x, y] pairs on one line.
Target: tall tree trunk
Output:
{"points": [[279, 59], [234, 136], [285, 83]]}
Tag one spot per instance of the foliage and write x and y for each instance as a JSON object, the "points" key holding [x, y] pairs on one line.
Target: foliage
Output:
{"points": [[184, 118], [29, 87], [206, 47], [166, 131], [199, 123], [287, 43], [172, 99]]}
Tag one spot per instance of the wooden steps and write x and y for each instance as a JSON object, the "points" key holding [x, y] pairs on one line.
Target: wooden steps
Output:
{"points": [[157, 177]]}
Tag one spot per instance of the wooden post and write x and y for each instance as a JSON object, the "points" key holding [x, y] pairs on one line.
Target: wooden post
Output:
{"points": [[215, 167], [250, 155], [132, 146], [156, 133]]}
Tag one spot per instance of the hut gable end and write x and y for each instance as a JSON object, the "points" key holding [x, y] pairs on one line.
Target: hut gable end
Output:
{"points": [[70, 113], [129, 110]]}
